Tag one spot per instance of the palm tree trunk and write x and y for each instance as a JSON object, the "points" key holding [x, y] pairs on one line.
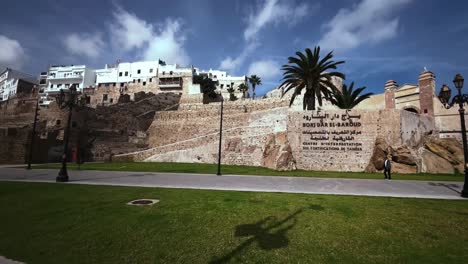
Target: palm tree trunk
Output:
{"points": [[253, 91]]}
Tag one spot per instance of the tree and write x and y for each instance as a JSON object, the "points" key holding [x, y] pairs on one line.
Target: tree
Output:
{"points": [[307, 71], [207, 85], [231, 91], [347, 98], [254, 80], [243, 88]]}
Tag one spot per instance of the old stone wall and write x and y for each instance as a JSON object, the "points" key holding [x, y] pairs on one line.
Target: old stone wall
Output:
{"points": [[100, 132], [191, 134], [340, 140], [261, 134], [447, 121], [415, 127], [13, 142]]}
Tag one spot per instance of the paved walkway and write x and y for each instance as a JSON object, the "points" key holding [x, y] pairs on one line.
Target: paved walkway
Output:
{"points": [[416, 189], [4, 260]]}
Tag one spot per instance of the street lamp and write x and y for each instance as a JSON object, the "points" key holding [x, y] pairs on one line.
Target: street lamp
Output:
{"points": [[33, 135], [444, 97], [71, 102], [220, 134]]}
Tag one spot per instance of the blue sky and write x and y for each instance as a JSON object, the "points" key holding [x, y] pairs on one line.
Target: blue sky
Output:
{"points": [[378, 39]]}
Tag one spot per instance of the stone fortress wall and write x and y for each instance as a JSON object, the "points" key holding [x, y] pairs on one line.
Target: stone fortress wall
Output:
{"points": [[269, 133], [141, 125]]}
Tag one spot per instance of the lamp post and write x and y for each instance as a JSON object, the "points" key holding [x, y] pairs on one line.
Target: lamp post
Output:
{"points": [[33, 134], [444, 96], [71, 102], [220, 135]]}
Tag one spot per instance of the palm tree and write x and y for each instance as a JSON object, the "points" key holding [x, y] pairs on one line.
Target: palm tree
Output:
{"points": [[312, 73], [347, 98], [232, 96], [243, 88], [254, 80]]}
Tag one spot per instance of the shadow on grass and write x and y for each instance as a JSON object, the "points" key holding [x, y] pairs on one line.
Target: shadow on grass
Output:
{"points": [[262, 232]]}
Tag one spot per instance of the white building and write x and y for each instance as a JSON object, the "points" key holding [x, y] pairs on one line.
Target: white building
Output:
{"points": [[136, 72], [126, 72], [62, 77], [13, 82], [225, 81]]}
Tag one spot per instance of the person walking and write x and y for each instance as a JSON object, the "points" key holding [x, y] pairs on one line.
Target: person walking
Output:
{"points": [[388, 168]]}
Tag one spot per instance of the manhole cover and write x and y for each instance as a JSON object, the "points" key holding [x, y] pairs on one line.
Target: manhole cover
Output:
{"points": [[143, 202]]}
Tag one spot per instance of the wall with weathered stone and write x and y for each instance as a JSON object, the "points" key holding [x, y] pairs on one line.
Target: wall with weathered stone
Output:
{"points": [[447, 121], [279, 137], [415, 127], [340, 140], [191, 134]]}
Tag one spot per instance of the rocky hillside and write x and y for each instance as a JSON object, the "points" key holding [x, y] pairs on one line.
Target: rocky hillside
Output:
{"points": [[433, 155]]}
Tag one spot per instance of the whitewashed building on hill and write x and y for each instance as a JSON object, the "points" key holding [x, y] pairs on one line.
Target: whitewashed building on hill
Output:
{"points": [[13, 82], [225, 81], [60, 77]]}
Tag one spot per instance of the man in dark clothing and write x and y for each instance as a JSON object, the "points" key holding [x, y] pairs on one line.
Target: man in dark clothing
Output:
{"points": [[388, 168]]}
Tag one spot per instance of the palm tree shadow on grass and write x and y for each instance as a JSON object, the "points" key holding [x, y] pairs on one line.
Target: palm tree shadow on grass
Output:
{"points": [[262, 233]]}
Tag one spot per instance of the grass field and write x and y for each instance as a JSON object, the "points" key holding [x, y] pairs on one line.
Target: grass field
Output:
{"points": [[61, 223], [246, 170]]}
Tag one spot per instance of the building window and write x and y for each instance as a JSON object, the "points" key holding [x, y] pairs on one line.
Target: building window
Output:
{"points": [[126, 73], [57, 122], [59, 85], [121, 84], [151, 80], [164, 72], [139, 71], [42, 81], [111, 100], [104, 97], [425, 111], [138, 80], [222, 85], [73, 124], [113, 84], [88, 99], [106, 85], [170, 73], [151, 70], [120, 74], [134, 80], [144, 83]]}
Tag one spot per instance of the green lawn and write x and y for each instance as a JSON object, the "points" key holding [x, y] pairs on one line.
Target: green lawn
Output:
{"points": [[246, 170], [64, 223]]}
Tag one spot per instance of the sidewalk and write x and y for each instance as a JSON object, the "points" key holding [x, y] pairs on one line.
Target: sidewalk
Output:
{"points": [[414, 189]]}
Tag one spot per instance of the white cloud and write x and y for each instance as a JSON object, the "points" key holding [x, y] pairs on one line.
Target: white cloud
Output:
{"points": [[265, 69], [89, 45], [168, 44], [370, 21], [154, 41], [271, 12], [231, 64], [128, 31], [12, 53], [276, 12]]}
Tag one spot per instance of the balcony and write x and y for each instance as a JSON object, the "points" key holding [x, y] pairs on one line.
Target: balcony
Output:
{"points": [[167, 83], [77, 76]]}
